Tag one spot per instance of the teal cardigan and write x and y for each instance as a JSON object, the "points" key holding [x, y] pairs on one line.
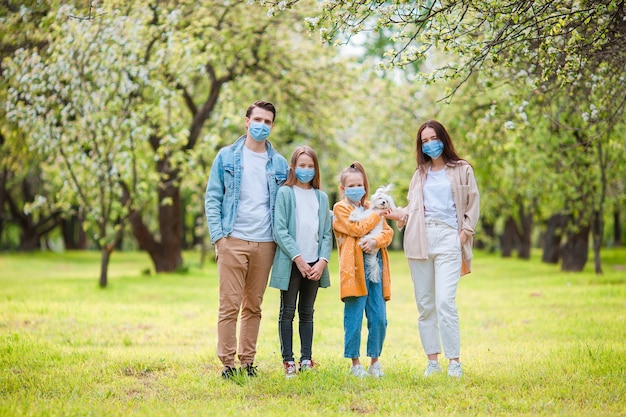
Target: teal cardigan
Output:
{"points": [[285, 232]]}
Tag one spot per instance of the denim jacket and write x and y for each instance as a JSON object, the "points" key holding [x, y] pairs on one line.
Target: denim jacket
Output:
{"points": [[223, 187]]}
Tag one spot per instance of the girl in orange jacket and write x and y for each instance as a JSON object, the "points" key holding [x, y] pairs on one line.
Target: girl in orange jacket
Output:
{"points": [[361, 294]]}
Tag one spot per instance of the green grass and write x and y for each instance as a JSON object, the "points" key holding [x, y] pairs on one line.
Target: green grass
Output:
{"points": [[535, 341]]}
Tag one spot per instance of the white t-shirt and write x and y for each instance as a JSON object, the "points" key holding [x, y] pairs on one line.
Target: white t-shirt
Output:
{"points": [[307, 222], [253, 221], [438, 201]]}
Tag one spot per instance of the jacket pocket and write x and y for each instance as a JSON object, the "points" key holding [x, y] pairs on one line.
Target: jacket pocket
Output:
{"points": [[229, 177], [462, 191], [280, 178]]}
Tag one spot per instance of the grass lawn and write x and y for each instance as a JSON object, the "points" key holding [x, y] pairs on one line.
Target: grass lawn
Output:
{"points": [[535, 341]]}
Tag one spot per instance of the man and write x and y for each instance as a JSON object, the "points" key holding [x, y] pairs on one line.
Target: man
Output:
{"points": [[239, 205]]}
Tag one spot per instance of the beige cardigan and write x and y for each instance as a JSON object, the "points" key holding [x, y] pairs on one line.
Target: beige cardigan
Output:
{"points": [[467, 202]]}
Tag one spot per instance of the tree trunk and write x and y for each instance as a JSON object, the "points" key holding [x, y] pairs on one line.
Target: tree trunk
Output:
{"points": [[32, 228], [552, 238], [199, 224], [575, 251], [186, 231], [166, 253], [74, 236], [3, 193], [597, 221], [596, 232], [510, 237], [30, 239], [104, 264], [200, 238], [169, 257], [525, 241], [617, 228], [486, 242]]}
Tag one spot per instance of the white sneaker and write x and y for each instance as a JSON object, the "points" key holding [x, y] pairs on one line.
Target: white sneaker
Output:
{"points": [[375, 370], [432, 368], [290, 369], [358, 371], [455, 370], [307, 365]]}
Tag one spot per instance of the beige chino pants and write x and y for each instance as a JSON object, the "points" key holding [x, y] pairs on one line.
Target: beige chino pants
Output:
{"points": [[243, 269]]}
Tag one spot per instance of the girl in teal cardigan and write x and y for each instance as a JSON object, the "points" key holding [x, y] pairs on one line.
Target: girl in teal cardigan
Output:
{"points": [[302, 231]]}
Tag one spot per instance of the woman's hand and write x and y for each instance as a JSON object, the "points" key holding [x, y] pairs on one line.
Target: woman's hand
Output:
{"points": [[463, 236], [393, 215]]}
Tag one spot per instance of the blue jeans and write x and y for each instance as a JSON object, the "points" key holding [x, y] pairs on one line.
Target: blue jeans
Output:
{"points": [[305, 291], [376, 313]]}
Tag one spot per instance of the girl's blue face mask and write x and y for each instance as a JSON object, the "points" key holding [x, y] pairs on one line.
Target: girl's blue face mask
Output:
{"points": [[355, 194], [305, 174]]}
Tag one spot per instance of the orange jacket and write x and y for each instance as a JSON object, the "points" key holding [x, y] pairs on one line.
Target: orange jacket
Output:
{"points": [[351, 268]]}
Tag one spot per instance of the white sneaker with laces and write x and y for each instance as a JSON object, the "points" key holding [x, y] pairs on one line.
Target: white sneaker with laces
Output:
{"points": [[455, 370], [290, 369], [306, 365], [432, 368], [358, 371], [375, 370]]}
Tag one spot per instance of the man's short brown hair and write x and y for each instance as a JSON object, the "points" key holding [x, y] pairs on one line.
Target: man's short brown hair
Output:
{"points": [[266, 105]]}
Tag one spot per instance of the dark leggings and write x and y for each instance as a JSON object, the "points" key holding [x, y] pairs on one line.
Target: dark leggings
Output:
{"points": [[307, 291]]}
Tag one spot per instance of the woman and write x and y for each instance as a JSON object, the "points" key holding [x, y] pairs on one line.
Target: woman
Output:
{"points": [[442, 211]]}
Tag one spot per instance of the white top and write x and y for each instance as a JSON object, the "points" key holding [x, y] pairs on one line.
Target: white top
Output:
{"points": [[253, 221], [307, 223], [438, 201]]}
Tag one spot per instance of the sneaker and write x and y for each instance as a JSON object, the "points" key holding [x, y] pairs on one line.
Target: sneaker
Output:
{"points": [[455, 370], [228, 372], [375, 370], [249, 369], [290, 369], [358, 371], [307, 365], [432, 368]]}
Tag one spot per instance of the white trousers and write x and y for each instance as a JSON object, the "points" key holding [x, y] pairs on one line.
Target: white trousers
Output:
{"points": [[435, 281]]}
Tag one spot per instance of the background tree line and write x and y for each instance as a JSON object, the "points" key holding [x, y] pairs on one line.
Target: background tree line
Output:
{"points": [[112, 116]]}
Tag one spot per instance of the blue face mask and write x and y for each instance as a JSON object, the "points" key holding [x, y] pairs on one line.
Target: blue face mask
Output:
{"points": [[305, 174], [259, 131], [355, 194], [433, 148]]}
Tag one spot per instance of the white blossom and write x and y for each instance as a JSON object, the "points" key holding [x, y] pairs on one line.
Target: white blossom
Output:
{"points": [[313, 21]]}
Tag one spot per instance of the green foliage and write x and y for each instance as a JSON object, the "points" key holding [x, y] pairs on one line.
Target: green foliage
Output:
{"points": [[176, 77], [554, 34], [78, 103], [130, 100]]}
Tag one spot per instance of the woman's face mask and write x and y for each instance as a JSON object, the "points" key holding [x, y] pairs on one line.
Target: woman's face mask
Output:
{"points": [[433, 148]]}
